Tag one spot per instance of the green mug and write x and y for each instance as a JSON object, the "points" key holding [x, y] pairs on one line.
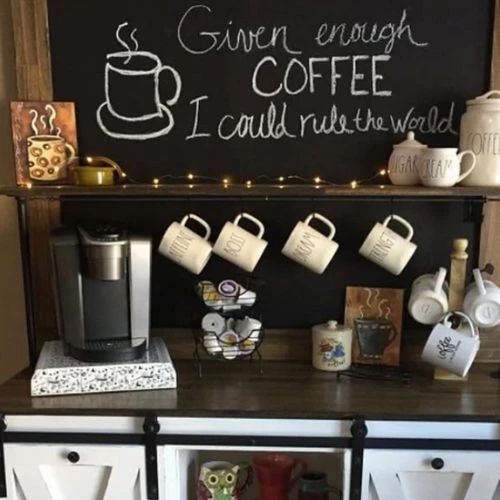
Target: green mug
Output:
{"points": [[221, 480]]}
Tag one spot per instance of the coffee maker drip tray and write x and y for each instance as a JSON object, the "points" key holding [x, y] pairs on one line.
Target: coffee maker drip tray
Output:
{"points": [[108, 350]]}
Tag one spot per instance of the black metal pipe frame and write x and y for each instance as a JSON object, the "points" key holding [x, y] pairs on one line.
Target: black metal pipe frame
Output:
{"points": [[22, 213]]}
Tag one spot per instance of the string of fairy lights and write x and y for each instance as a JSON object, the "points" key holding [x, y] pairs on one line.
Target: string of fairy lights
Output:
{"points": [[193, 180], [281, 181]]}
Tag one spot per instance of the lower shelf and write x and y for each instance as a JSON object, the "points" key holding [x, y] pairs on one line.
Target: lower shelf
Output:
{"points": [[189, 462]]}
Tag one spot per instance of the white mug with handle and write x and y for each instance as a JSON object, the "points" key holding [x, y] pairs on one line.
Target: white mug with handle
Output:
{"points": [[239, 246], [452, 349], [388, 249], [428, 301], [482, 301], [185, 247], [309, 247], [440, 167]]}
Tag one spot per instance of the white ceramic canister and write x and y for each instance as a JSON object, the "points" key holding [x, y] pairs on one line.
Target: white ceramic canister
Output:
{"points": [[480, 133], [331, 346], [403, 162]]}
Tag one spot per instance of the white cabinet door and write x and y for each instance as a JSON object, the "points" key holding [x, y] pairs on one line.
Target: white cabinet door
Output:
{"points": [[98, 472], [432, 475]]}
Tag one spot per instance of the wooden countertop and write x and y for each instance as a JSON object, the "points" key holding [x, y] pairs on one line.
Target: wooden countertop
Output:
{"points": [[284, 390]]}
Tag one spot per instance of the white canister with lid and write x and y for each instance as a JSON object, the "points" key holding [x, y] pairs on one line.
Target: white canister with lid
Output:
{"points": [[403, 162], [480, 133], [331, 346]]}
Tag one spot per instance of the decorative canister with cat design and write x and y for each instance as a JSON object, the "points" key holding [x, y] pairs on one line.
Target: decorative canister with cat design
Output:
{"points": [[331, 346]]}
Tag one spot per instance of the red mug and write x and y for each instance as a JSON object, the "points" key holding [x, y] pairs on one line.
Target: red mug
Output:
{"points": [[277, 473]]}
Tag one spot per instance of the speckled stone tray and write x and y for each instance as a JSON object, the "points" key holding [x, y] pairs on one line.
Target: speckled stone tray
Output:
{"points": [[56, 373]]}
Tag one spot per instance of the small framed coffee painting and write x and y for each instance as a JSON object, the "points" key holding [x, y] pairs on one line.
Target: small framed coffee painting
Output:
{"points": [[375, 316], [45, 141]]}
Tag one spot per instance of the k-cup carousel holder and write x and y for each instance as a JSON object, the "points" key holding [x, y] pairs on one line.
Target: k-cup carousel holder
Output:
{"points": [[230, 329], [239, 340]]}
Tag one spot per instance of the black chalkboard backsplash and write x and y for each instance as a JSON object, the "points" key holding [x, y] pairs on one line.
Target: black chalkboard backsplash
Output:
{"points": [[249, 88], [243, 88]]}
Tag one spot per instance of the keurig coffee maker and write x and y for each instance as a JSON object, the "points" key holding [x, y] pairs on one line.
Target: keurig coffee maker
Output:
{"points": [[102, 289]]}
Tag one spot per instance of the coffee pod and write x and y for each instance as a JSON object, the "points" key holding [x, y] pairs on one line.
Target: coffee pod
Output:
{"points": [[247, 346], [213, 323], [246, 298], [211, 343], [229, 341], [248, 328], [228, 288], [331, 346], [231, 307], [209, 294]]}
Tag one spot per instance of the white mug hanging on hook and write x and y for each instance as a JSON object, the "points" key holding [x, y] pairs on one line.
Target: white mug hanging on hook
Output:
{"points": [[428, 301], [482, 301], [239, 246], [452, 349], [480, 132], [388, 249], [309, 247], [185, 247]]}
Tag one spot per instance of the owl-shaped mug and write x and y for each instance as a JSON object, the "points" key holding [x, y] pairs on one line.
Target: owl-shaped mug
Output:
{"points": [[222, 480]]}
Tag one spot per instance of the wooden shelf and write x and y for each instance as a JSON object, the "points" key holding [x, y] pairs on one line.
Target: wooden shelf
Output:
{"points": [[239, 190], [284, 390]]}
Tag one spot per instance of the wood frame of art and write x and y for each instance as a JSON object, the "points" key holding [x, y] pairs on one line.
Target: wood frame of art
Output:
{"points": [[34, 83]]}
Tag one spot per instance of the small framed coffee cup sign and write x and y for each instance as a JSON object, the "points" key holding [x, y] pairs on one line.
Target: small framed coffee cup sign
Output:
{"points": [[375, 316], [45, 141]]}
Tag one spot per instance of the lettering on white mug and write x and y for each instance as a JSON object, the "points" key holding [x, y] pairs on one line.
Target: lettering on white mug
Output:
{"points": [[234, 244], [180, 245], [447, 348], [382, 247], [303, 250], [436, 168]]}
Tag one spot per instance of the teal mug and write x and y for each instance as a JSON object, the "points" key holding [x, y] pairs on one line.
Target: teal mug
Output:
{"points": [[313, 485]]}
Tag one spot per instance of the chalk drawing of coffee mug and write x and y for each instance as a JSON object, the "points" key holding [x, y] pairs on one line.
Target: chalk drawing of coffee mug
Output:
{"points": [[133, 108]]}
